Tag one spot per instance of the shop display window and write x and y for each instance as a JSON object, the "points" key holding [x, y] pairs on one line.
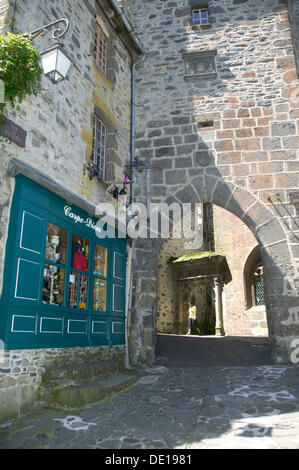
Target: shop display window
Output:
{"points": [[100, 261], [56, 244], [83, 292], [73, 289], [78, 283], [99, 295], [100, 285], [80, 253], [76, 296], [53, 285]]}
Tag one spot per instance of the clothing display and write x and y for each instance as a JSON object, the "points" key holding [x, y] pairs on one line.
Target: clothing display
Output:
{"points": [[79, 261]]}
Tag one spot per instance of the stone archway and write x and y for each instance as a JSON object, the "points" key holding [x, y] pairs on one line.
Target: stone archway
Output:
{"points": [[277, 262]]}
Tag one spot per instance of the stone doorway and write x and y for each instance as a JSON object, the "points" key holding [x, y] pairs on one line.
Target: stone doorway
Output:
{"points": [[202, 291], [202, 276]]}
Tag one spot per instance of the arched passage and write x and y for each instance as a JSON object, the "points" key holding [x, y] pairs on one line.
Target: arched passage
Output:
{"points": [[277, 262]]}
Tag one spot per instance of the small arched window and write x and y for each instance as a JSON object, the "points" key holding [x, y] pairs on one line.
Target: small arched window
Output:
{"points": [[254, 279], [258, 281]]}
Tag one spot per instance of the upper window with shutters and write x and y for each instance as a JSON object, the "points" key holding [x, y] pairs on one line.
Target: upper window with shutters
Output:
{"points": [[101, 49], [104, 50]]}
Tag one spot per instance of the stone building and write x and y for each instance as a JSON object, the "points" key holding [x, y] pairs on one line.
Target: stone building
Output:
{"points": [[63, 287], [205, 113], [217, 123]]}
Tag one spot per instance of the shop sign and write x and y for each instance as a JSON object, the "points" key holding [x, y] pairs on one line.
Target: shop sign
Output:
{"points": [[88, 222], [14, 133]]}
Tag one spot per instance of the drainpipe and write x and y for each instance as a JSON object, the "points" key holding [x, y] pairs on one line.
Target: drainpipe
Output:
{"points": [[130, 254], [133, 125], [131, 250]]}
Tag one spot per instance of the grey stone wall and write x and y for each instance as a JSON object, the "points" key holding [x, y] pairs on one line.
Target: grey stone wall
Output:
{"points": [[217, 121], [21, 373]]}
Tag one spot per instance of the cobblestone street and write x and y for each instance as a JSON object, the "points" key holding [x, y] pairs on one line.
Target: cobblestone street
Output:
{"points": [[206, 406]]}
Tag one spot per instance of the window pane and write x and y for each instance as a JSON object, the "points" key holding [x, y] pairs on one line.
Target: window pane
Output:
{"points": [[102, 45], [99, 295], [196, 17], [73, 289], [204, 16], [56, 244], [80, 253], [100, 260], [53, 285], [83, 291], [99, 146]]}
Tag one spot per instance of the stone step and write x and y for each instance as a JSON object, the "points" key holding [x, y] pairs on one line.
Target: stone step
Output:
{"points": [[80, 396], [78, 373]]}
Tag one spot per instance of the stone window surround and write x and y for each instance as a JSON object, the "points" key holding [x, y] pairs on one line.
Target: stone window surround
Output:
{"points": [[199, 5], [200, 56]]}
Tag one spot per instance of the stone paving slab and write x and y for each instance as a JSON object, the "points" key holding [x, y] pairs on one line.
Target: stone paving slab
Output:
{"points": [[177, 408]]}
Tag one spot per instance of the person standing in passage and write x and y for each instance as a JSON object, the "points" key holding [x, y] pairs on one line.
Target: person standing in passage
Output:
{"points": [[192, 322]]}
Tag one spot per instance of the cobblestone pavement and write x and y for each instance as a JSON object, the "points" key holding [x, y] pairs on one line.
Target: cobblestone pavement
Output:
{"points": [[175, 407]]}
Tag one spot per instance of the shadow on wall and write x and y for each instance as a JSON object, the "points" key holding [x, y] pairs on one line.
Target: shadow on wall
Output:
{"points": [[192, 154], [272, 240]]}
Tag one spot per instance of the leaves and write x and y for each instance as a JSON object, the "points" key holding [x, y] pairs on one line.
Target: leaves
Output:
{"points": [[19, 68]]}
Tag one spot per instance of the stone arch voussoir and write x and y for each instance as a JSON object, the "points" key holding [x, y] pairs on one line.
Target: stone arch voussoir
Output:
{"points": [[277, 260]]}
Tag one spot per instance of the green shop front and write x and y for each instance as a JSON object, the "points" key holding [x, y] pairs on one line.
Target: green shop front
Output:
{"points": [[64, 283]]}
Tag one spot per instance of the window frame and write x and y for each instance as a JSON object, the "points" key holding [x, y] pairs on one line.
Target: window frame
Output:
{"points": [[200, 11], [69, 270], [99, 160], [101, 49]]}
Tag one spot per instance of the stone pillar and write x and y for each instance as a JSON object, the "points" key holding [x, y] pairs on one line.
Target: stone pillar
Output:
{"points": [[218, 286], [179, 323]]}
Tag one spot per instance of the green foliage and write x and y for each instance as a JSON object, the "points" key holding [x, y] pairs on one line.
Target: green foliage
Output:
{"points": [[19, 69]]}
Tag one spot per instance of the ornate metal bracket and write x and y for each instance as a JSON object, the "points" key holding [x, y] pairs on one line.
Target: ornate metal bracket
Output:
{"points": [[93, 170], [57, 34]]}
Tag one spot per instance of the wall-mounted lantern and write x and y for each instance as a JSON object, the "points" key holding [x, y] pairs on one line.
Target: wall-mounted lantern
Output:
{"points": [[56, 63]]}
